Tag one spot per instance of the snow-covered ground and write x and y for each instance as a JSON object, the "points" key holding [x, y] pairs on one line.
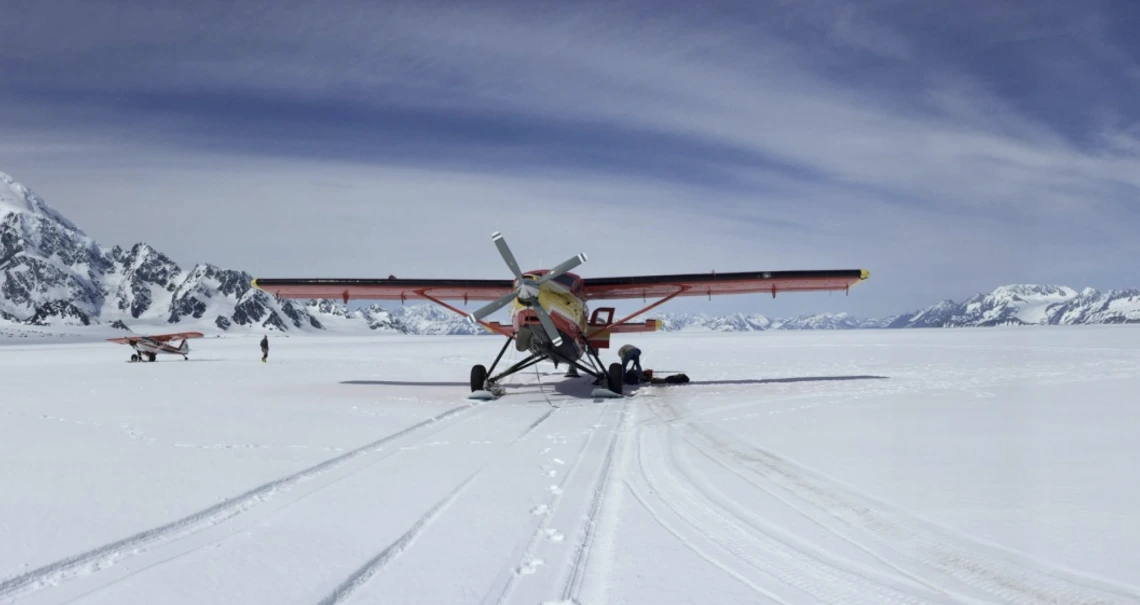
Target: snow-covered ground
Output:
{"points": [[919, 466]]}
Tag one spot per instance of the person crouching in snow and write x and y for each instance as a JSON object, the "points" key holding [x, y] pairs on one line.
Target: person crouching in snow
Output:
{"points": [[630, 353], [264, 348]]}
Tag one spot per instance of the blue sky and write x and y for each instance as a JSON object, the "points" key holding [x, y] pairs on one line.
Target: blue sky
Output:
{"points": [[948, 147]]}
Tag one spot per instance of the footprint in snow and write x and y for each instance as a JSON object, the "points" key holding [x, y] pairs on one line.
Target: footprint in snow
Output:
{"points": [[554, 489], [547, 450], [529, 567], [553, 535], [558, 461], [541, 509], [551, 473]]}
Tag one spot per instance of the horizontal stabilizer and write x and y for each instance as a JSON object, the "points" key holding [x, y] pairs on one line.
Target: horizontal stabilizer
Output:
{"points": [[650, 325]]}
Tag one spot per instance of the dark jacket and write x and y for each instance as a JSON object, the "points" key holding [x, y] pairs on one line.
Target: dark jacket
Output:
{"points": [[264, 343]]}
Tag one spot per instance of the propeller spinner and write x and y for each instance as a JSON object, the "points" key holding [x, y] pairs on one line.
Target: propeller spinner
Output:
{"points": [[526, 291]]}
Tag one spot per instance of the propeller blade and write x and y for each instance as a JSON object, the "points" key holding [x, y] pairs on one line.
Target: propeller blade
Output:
{"points": [[548, 325], [562, 268], [491, 307], [505, 252]]}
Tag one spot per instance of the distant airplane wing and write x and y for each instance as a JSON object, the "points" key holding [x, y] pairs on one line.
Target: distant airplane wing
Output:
{"points": [[386, 289], [176, 336], [710, 284], [157, 338]]}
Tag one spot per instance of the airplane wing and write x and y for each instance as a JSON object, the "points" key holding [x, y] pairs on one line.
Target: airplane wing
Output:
{"points": [[386, 289], [709, 284], [157, 338]]}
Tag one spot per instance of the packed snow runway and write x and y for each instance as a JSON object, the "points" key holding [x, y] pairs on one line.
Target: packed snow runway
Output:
{"points": [[911, 466]]}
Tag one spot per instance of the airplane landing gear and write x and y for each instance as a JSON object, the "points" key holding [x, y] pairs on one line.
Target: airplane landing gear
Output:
{"points": [[478, 378], [615, 377], [134, 356]]}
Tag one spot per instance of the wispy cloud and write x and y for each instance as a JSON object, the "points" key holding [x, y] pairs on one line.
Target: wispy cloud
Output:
{"points": [[947, 149]]}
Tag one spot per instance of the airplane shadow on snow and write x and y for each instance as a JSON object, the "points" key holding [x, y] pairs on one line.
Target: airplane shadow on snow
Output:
{"points": [[577, 387], [783, 380]]}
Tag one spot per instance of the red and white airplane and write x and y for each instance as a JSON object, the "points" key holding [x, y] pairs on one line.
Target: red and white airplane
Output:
{"points": [[149, 347], [550, 318]]}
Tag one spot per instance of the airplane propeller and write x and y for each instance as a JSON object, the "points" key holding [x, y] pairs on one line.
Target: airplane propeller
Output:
{"points": [[526, 291]]}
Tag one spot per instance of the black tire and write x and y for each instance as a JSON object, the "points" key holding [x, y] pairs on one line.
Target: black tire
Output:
{"points": [[615, 378], [134, 356], [478, 378], [153, 357]]}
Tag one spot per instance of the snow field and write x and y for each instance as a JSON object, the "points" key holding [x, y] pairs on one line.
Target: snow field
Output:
{"points": [[919, 466]]}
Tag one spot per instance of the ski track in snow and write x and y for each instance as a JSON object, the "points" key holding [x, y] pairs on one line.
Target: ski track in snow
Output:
{"points": [[954, 567], [737, 547], [365, 573], [540, 526], [110, 554], [346, 589], [573, 581]]}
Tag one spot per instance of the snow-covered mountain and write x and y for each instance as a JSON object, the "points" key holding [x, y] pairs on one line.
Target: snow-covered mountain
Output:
{"points": [[1028, 305], [54, 274], [1019, 304], [1095, 307], [736, 322], [826, 321]]}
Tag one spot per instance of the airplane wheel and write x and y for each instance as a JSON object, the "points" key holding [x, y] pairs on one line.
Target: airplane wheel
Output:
{"points": [[134, 357], [615, 377], [478, 378], [522, 339], [153, 357]]}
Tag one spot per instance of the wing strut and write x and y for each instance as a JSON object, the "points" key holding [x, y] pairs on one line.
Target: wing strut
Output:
{"points": [[627, 318]]}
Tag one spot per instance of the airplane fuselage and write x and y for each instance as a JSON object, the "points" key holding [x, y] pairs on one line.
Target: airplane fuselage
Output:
{"points": [[149, 346], [564, 301]]}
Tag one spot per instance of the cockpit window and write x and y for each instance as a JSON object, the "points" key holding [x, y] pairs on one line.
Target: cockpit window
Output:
{"points": [[567, 281], [573, 284]]}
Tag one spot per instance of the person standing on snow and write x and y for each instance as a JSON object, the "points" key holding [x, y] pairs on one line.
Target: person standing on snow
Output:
{"points": [[264, 348]]}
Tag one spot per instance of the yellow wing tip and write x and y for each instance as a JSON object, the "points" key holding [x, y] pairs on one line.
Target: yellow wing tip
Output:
{"points": [[253, 282], [864, 274]]}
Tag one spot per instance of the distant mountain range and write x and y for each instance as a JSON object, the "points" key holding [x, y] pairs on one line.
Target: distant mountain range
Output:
{"points": [[1015, 305], [52, 274]]}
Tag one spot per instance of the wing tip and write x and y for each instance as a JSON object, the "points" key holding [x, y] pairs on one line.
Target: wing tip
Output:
{"points": [[864, 274], [253, 282]]}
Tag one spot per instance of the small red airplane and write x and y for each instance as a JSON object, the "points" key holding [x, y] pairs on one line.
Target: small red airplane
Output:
{"points": [[549, 314], [150, 346]]}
